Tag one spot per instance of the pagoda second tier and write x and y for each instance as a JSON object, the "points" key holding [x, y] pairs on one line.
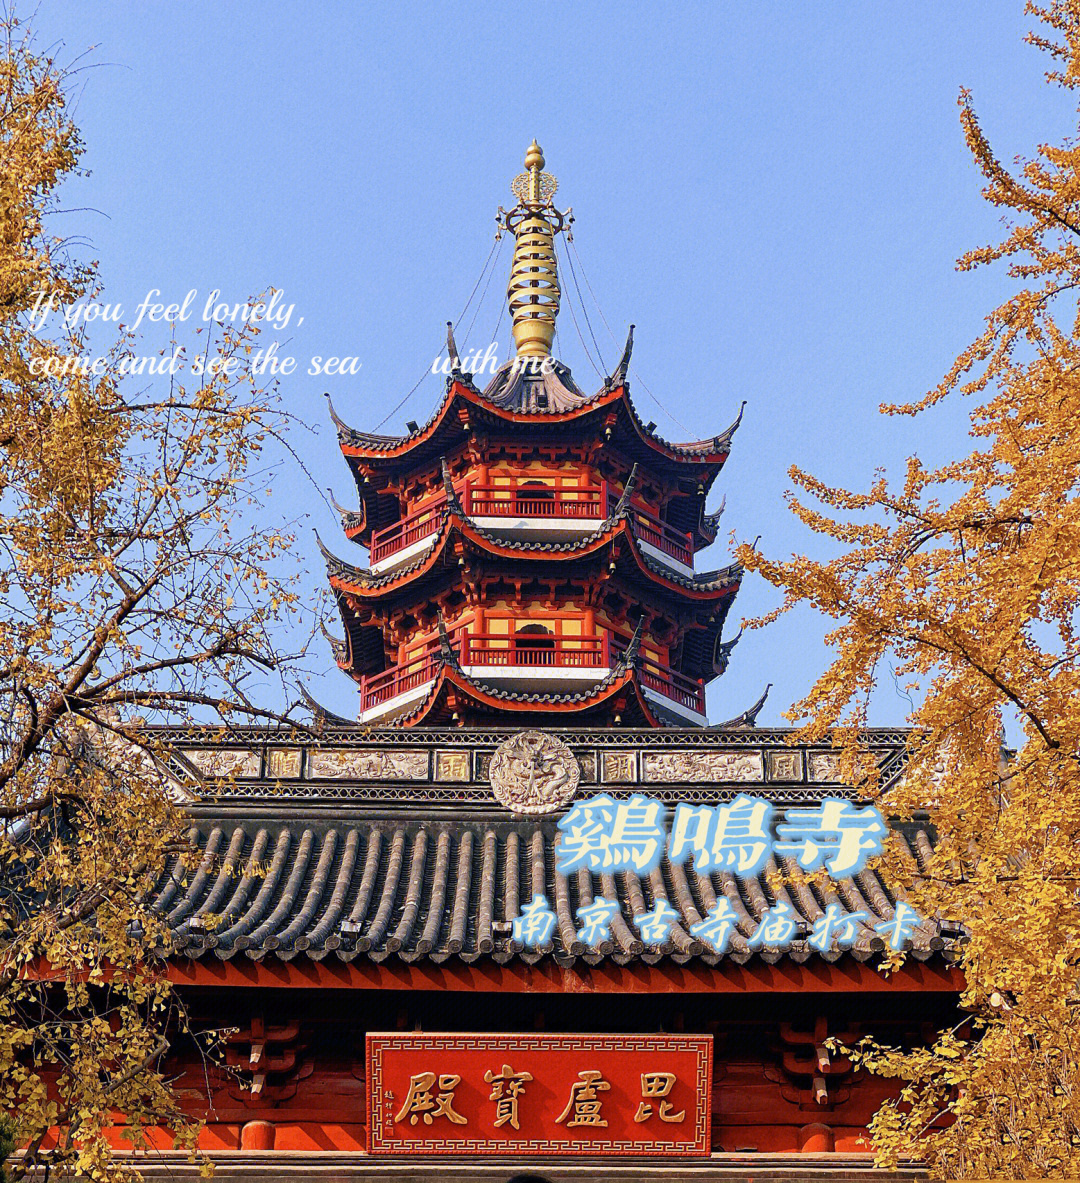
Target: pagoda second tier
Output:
{"points": [[532, 548]]}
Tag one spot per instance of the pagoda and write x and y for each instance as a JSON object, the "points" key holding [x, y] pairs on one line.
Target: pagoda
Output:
{"points": [[532, 547]]}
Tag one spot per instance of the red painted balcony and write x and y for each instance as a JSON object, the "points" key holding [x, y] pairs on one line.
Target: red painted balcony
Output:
{"points": [[647, 527], [376, 689], [575, 503], [536, 650], [586, 503], [403, 533], [526, 655], [688, 692], [536, 501], [533, 652]]}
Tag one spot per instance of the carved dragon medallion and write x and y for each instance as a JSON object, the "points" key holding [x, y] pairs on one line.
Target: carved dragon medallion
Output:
{"points": [[533, 772]]}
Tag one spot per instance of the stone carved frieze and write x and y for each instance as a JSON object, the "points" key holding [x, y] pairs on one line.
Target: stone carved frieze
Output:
{"points": [[533, 772], [224, 762], [696, 767], [369, 764], [824, 766]]}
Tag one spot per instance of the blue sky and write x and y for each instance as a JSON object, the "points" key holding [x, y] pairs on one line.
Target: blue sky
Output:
{"points": [[774, 193]]}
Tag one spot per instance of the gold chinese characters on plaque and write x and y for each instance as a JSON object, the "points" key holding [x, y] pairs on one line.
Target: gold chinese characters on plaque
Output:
{"points": [[530, 1094], [283, 763]]}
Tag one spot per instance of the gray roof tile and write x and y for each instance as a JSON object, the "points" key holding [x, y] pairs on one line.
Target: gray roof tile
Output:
{"points": [[417, 889]]}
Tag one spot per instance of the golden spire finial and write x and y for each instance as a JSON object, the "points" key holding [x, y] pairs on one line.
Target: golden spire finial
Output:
{"points": [[534, 187], [533, 291]]}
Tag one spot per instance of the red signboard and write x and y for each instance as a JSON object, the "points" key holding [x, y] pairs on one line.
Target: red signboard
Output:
{"points": [[539, 1094]]}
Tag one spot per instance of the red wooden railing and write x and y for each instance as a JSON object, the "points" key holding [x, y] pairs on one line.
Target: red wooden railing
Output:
{"points": [[649, 528], [405, 532], [398, 679], [671, 684], [532, 650], [690, 692], [536, 501], [535, 649], [589, 502]]}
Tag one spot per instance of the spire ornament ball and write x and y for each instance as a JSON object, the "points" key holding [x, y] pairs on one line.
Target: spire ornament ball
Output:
{"points": [[533, 290]]}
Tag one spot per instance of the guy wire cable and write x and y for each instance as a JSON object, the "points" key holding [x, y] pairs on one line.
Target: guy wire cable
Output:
{"points": [[584, 310], [584, 346], [394, 410], [633, 368]]}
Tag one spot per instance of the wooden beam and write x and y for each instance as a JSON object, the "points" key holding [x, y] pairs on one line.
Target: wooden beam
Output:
{"points": [[785, 977]]}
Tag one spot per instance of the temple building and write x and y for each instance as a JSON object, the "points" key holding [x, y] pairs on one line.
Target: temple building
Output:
{"points": [[532, 630]]}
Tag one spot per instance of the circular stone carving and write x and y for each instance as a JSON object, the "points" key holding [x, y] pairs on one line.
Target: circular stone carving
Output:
{"points": [[533, 772]]}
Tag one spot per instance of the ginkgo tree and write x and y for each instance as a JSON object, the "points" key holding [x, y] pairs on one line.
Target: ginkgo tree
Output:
{"points": [[965, 581], [138, 583]]}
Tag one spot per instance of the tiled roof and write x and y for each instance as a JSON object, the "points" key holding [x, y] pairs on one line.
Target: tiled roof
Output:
{"points": [[514, 389], [722, 577], [623, 671], [513, 393], [356, 887]]}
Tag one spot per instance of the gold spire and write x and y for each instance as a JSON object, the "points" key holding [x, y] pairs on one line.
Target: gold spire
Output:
{"points": [[534, 162], [533, 290]]}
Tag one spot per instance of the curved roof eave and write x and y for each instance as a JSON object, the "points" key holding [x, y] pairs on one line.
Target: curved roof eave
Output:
{"points": [[347, 577], [711, 452], [709, 523], [522, 702], [367, 446]]}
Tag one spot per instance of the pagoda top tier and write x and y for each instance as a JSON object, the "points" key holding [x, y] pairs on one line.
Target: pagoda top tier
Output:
{"points": [[607, 416], [532, 383]]}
